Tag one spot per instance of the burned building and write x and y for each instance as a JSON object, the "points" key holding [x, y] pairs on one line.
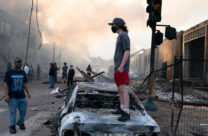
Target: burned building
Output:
{"points": [[13, 40], [13, 43], [192, 45], [195, 51], [167, 51], [6, 31], [140, 63]]}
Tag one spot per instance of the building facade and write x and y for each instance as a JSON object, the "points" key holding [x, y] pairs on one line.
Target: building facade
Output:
{"points": [[140, 63], [195, 52], [13, 43], [168, 50]]}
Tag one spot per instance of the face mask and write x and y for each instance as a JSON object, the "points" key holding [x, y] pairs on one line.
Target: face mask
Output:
{"points": [[114, 29], [17, 66]]}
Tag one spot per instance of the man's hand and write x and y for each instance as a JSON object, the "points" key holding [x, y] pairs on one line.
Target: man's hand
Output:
{"points": [[124, 60], [28, 95], [6, 93], [27, 91], [120, 69], [6, 99]]}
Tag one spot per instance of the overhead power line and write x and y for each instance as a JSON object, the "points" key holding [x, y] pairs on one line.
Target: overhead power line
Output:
{"points": [[28, 38], [37, 22]]}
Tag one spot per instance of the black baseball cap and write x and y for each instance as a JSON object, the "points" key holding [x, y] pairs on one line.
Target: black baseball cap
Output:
{"points": [[18, 59], [117, 20]]}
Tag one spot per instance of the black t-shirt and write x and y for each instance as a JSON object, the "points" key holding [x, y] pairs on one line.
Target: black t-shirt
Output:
{"points": [[15, 81], [52, 71]]}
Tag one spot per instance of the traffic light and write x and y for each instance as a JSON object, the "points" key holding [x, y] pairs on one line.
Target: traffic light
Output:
{"points": [[154, 10], [158, 38], [149, 9], [157, 5], [170, 33]]}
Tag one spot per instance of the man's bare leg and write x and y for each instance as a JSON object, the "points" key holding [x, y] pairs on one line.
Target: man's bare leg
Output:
{"points": [[121, 99], [119, 111], [124, 96]]}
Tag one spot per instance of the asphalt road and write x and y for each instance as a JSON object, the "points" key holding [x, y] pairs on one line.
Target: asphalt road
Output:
{"points": [[41, 107]]}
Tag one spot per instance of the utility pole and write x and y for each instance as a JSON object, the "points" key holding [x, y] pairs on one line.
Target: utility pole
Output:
{"points": [[54, 51], [152, 61], [150, 106], [60, 56]]}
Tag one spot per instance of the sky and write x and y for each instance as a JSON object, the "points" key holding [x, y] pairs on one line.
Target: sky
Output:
{"points": [[80, 26]]}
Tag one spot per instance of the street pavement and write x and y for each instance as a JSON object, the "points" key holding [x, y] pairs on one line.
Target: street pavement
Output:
{"points": [[41, 107]]}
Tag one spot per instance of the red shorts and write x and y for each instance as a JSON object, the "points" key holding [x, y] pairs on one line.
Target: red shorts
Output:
{"points": [[121, 78]]}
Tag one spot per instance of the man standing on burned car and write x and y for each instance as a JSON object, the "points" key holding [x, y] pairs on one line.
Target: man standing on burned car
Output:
{"points": [[121, 66]]}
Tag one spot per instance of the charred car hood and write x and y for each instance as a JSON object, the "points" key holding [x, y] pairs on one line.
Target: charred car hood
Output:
{"points": [[87, 121]]}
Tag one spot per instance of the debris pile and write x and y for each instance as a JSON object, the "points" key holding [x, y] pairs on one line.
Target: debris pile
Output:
{"points": [[163, 91], [53, 123]]}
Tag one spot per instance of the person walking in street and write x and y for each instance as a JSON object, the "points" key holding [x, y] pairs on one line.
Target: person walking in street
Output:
{"points": [[15, 86], [71, 74], [56, 69], [64, 72], [89, 70], [38, 72], [121, 66], [26, 69], [52, 75], [31, 71]]}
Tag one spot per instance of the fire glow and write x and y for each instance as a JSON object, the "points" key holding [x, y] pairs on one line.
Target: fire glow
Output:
{"points": [[26, 22]]}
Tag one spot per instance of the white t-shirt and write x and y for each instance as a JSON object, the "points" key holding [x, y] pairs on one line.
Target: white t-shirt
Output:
{"points": [[26, 69]]}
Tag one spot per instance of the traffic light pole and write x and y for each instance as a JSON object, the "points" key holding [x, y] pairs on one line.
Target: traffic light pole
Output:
{"points": [[152, 60], [154, 10], [150, 106]]}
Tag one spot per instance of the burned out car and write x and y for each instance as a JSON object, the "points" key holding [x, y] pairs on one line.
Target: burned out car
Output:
{"points": [[87, 109]]}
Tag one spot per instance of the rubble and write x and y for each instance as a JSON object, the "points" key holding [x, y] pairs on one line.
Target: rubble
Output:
{"points": [[167, 96], [53, 123], [34, 109], [191, 117], [163, 91]]}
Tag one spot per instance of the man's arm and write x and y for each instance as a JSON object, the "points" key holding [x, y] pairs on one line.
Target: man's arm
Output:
{"points": [[6, 92], [27, 91], [124, 60]]}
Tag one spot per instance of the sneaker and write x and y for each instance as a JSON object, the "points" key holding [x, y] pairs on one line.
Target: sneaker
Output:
{"points": [[124, 117], [12, 130], [118, 111], [21, 126]]}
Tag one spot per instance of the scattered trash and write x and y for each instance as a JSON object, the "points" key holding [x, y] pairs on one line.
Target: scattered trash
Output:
{"points": [[53, 124], [33, 109], [55, 91], [48, 122], [195, 107], [203, 124]]}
